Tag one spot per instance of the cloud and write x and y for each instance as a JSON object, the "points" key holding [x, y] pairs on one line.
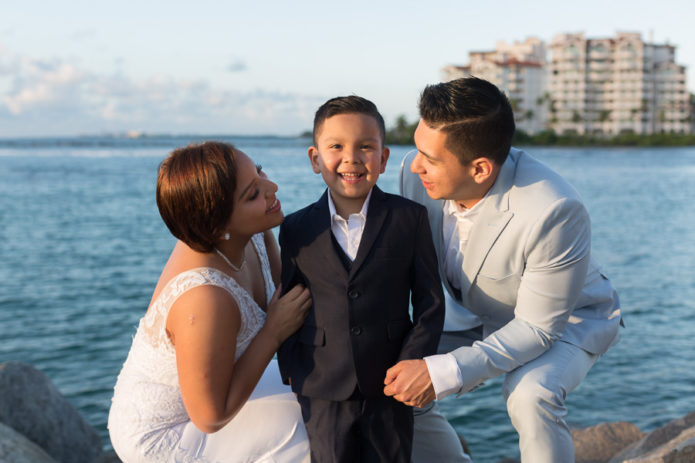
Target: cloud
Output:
{"points": [[237, 65], [83, 34], [58, 97]]}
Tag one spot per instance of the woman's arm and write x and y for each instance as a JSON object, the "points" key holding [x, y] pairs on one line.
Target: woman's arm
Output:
{"points": [[203, 325]]}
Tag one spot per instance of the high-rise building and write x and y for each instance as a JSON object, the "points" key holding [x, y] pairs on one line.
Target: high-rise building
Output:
{"points": [[519, 70], [616, 85], [601, 86]]}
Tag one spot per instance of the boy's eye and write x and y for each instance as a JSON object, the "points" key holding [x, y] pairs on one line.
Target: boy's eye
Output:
{"points": [[366, 147], [336, 146]]}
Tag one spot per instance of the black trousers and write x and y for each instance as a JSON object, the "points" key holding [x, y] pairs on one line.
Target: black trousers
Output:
{"points": [[359, 429]]}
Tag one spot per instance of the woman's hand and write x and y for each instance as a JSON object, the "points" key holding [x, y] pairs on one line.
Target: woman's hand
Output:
{"points": [[286, 314]]}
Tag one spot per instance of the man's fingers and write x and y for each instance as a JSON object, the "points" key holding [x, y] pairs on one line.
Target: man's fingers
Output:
{"points": [[392, 373]]}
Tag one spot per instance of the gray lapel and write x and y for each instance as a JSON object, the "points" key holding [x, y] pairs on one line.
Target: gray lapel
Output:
{"points": [[491, 221]]}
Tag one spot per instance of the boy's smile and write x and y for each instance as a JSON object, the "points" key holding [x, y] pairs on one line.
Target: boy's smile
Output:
{"points": [[349, 154]]}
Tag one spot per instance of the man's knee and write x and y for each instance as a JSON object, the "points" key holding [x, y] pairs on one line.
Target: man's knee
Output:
{"points": [[530, 401]]}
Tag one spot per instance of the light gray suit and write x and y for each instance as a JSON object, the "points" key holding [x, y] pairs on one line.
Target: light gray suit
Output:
{"points": [[529, 277]]}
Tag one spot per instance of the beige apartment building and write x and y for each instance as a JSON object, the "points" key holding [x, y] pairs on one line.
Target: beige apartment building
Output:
{"points": [[519, 69], [616, 85], [603, 86]]}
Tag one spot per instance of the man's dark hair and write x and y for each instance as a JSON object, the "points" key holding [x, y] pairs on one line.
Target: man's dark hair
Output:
{"points": [[352, 104], [195, 193], [475, 115]]}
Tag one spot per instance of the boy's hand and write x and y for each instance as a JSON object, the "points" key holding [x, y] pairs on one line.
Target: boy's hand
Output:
{"points": [[409, 382]]}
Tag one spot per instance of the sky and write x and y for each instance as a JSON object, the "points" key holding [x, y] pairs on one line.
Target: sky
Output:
{"points": [[85, 67]]}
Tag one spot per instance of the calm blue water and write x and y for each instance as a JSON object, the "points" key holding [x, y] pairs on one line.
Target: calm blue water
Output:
{"points": [[82, 244]]}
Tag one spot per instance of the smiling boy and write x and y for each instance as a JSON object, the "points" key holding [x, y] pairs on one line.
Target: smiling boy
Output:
{"points": [[364, 254]]}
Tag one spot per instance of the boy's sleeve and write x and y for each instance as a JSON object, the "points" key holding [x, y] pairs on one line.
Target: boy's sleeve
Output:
{"points": [[427, 297], [288, 280]]}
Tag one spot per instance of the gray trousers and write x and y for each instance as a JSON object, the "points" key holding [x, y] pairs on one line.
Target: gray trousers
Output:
{"points": [[535, 395]]}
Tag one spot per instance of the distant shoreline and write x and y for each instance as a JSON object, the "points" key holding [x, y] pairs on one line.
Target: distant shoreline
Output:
{"points": [[402, 136]]}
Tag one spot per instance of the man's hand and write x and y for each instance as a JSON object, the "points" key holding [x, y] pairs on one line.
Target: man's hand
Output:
{"points": [[409, 382]]}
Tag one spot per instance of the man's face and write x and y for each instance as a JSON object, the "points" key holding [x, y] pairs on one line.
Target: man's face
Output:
{"points": [[440, 171]]}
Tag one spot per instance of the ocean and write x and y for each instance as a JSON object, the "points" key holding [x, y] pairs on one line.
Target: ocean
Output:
{"points": [[82, 245]]}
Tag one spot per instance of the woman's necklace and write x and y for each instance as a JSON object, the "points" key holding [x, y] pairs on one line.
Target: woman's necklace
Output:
{"points": [[234, 267]]}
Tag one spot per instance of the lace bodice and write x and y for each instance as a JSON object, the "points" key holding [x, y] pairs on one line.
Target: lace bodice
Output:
{"points": [[252, 317], [147, 392]]}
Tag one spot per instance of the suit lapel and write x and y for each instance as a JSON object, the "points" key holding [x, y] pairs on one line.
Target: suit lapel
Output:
{"points": [[376, 215], [491, 221], [325, 253]]}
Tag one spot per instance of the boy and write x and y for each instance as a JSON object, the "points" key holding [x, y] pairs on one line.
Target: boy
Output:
{"points": [[362, 253]]}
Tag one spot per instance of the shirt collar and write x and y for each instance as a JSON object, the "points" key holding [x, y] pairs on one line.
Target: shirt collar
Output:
{"points": [[362, 213], [452, 208]]}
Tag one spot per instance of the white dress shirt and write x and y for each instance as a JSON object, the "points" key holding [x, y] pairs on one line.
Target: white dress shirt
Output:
{"points": [[348, 233], [457, 223]]}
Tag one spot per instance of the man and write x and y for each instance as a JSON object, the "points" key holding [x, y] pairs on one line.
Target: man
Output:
{"points": [[513, 241]]}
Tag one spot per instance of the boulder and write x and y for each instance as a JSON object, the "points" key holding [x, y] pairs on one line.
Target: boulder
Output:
{"points": [[598, 444], [671, 443], [33, 407], [15, 448], [108, 457]]}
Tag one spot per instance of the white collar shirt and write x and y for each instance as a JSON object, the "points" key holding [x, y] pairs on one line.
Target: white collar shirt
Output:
{"points": [[348, 233], [457, 223]]}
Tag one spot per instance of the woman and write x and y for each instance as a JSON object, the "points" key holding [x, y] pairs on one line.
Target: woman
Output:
{"points": [[195, 386]]}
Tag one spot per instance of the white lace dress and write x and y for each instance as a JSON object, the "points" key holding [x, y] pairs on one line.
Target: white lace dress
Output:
{"points": [[148, 421]]}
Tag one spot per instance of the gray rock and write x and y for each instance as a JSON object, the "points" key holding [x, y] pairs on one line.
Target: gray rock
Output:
{"points": [[108, 457], [15, 448], [598, 444], [672, 443], [33, 407]]}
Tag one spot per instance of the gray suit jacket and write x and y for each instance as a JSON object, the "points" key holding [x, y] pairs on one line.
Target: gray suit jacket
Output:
{"points": [[529, 275]]}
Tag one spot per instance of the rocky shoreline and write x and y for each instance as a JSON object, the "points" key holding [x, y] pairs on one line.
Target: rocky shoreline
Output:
{"points": [[38, 425]]}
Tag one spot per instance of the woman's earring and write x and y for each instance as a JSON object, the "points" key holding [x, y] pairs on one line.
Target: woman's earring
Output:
{"points": [[226, 236]]}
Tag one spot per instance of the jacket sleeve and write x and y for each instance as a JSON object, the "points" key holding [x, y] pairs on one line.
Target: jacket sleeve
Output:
{"points": [[557, 253], [427, 297], [288, 277]]}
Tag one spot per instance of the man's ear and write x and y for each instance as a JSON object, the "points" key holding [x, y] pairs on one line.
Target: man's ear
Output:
{"points": [[482, 169], [314, 159]]}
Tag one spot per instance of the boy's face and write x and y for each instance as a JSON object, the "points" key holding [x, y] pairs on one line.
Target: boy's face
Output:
{"points": [[349, 154]]}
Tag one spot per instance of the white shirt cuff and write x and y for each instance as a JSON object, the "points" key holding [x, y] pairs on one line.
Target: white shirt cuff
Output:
{"points": [[445, 374]]}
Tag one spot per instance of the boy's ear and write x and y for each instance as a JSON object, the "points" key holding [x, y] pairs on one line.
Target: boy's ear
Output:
{"points": [[385, 153], [314, 158]]}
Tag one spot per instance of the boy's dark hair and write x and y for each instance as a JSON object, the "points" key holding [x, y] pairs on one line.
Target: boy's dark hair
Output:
{"points": [[475, 115], [352, 104], [195, 193]]}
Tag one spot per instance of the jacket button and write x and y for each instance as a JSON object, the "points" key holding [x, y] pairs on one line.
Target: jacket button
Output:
{"points": [[354, 294], [356, 330]]}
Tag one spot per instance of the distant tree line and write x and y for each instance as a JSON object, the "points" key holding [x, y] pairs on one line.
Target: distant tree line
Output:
{"points": [[402, 134]]}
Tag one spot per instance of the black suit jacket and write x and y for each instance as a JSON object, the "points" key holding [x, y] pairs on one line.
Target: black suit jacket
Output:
{"points": [[359, 324]]}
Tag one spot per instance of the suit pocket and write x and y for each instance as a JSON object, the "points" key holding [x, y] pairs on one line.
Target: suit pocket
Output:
{"points": [[398, 329], [312, 335], [497, 291]]}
